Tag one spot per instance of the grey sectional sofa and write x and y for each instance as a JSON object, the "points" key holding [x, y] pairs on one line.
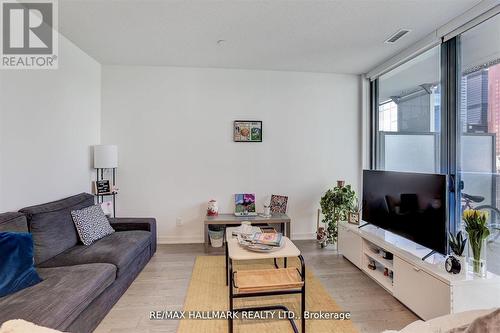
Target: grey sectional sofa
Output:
{"points": [[80, 283]]}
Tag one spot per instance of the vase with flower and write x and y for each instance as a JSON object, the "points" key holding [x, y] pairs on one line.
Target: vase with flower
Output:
{"points": [[475, 223]]}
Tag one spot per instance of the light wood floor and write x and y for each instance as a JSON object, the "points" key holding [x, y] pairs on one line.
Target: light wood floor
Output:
{"points": [[163, 284]]}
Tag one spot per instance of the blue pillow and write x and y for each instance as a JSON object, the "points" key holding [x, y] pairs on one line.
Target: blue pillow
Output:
{"points": [[16, 262]]}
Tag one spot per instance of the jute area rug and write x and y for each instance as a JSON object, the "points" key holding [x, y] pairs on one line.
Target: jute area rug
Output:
{"points": [[208, 292]]}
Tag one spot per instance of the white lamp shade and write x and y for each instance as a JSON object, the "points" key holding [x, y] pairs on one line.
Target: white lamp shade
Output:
{"points": [[105, 156]]}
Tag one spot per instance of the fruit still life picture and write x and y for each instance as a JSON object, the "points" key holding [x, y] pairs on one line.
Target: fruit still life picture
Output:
{"points": [[247, 131]]}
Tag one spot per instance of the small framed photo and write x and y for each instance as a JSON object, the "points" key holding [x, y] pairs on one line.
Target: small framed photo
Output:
{"points": [[247, 131], [244, 204], [102, 187], [353, 217]]}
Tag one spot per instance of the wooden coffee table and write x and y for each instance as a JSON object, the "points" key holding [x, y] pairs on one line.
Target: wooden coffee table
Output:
{"points": [[267, 282]]}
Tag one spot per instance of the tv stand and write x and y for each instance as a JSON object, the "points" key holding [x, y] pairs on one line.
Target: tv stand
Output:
{"points": [[424, 286]]}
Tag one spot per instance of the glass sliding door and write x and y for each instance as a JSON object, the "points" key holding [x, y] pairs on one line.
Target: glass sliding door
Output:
{"points": [[479, 134], [409, 116]]}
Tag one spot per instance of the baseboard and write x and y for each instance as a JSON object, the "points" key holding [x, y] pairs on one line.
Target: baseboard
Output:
{"points": [[179, 240], [194, 239], [303, 236]]}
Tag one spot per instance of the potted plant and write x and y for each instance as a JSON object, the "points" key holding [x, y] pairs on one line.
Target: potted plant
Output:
{"points": [[353, 215], [335, 204], [457, 245], [475, 222]]}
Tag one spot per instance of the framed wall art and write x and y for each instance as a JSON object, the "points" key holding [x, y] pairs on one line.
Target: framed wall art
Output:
{"points": [[247, 131]]}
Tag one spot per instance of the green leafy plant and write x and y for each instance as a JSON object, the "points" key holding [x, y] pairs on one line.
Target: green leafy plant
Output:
{"points": [[476, 227], [335, 204], [457, 243]]}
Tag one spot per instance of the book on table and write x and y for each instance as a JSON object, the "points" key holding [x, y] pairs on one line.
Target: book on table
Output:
{"points": [[271, 239]]}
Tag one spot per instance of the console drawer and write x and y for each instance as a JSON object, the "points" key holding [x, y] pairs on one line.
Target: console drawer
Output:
{"points": [[425, 295]]}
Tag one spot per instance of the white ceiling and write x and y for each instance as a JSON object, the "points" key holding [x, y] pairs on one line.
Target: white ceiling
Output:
{"points": [[343, 36]]}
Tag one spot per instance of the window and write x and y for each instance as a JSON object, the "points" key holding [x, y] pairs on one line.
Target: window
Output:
{"points": [[413, 133], [409, 112], [388, 117], [479, 138]]}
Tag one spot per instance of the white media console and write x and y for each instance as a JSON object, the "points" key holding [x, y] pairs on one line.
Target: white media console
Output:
{"points": [[423, 286]]}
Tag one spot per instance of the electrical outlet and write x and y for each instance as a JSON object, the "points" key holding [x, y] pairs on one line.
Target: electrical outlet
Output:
{"points": [[178, 221]]}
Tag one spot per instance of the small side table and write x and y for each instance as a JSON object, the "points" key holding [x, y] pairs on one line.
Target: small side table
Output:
{"points": [[284, 281]]}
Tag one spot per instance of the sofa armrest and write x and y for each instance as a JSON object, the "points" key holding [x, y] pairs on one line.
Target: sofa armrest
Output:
{"points": [[136, 223]]}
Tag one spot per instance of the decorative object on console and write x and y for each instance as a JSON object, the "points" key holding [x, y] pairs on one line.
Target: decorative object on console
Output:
{"points": [[477, 229], [452, 265], [244, 204], [278, 204], [335, 204], [267, 211], [247, 131], [372, 265], [106, 157], [213, 208], [457, 245]]}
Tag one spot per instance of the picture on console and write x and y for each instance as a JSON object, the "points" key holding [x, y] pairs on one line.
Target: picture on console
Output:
{"points": [[244, 204]]}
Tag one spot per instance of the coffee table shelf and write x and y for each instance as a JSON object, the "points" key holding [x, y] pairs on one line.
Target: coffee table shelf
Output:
{"points": [[264, 282]]}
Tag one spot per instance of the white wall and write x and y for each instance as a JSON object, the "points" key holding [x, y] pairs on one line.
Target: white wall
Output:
{"points": [[48, 121], [173, 128]]}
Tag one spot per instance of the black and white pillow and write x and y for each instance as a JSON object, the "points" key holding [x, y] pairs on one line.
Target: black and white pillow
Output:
{"points": [[91, 224]]}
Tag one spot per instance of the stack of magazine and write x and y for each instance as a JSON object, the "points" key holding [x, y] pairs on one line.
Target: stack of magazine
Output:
{"points": [[261, 242]]}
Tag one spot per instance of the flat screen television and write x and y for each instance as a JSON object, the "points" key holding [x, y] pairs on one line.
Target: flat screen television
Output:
{"points": [[412, 205]]}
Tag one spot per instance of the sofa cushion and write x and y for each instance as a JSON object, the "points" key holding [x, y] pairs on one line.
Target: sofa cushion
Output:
{"points": [[119, 248], [52, 226], [91, 224], [16, 264], [62, 295], [15, 222]]}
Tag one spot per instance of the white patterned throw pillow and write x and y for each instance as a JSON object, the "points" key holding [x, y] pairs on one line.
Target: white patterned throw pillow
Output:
{"points": [[91, 224]]}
